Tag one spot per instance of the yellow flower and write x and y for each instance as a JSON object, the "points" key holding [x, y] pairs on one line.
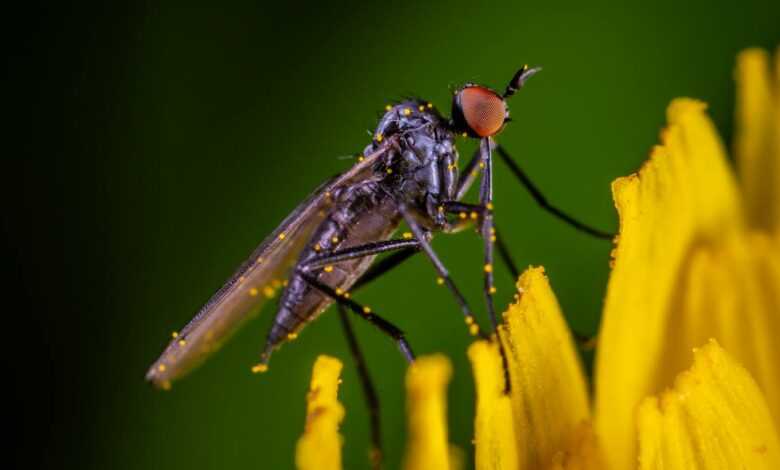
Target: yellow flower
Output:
{"points": [[688, 368]]}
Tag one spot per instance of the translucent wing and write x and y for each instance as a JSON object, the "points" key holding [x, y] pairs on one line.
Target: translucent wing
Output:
{"points": [[254, 281]]}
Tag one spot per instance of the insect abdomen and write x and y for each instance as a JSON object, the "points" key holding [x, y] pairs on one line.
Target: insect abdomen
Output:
{"points": [[359, 219]]}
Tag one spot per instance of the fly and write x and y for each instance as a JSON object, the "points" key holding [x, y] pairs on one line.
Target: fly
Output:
{"points": [[408, 173]]}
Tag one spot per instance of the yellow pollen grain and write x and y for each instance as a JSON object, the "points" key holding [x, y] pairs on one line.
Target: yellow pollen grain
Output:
{"points": [[462, 215], [492, 238], [379, 137], [259, 259], [488, 268], [451, 166], [335, 239], [241, 279], [465, 135], [360, 158], [328, 268], [347, 295], [327, 194], [268, 292], [281, 236], [441, 209], [175, 334], [161, 367], [492, 290], [407, 235], [366, 310], [253, 291], [439, 280], [474, 215], [430, 105], [339, 291], [389, 171], [490, 206], [388, 107], [285, 283], [259, 368], [407, 111], [469, 320], [474, 329], [421, 108], [482, 165], [317, 247], [276, 283], [182, 342], [292, 336]]}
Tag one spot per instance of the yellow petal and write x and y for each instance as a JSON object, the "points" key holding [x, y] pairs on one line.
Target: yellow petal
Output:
{"points": [[731, 292], [684, 197], [320, 446], [757, 139], [548, 391], [582, 453], [714, 418], [494, 432], [426, 404]]}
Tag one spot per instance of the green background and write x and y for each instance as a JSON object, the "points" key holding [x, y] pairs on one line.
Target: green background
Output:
{"points": [[157, 145]]}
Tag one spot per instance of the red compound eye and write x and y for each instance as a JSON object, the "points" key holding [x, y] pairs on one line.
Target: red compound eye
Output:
{"points": [[483, 110]]}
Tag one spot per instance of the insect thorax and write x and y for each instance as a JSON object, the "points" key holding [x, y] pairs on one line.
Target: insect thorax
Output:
{"points": [[422, 164]]}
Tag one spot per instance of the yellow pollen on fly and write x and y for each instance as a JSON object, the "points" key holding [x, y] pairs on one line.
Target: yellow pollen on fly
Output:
{"points": [[268, 292], [317, 247], [347, 295], [339, 291], [430, 105], [421, 108], [462, 215], [259, 368], [492, 238], [441, 209], [464, 134], [182, 342], [474, 329], [407, 111], [439, 280], [281, 236], [389, 171], [253, 292], [276, 283], [482, 165], [469, 320], [161, 367], [388, 107], [292, 336], [259, 259], [175, 334], [366, 310], [360, 158], [492, 290], [488, 268], [241, 279], [334, 239], [379, 137], [328, 268], [474, 215], [407, 235]]}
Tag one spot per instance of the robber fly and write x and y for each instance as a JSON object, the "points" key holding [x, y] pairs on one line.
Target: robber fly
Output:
{"points": [[324, 250]]}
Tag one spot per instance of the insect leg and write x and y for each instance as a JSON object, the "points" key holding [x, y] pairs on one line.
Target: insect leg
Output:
{"points": [[385, 265], [359, 251], [369, 391], [467, 176], [365, 313], [506, 257], [444, 275], [542, 201]]}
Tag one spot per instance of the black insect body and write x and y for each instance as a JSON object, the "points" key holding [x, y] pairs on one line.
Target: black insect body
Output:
{"points": [[325, 249]]}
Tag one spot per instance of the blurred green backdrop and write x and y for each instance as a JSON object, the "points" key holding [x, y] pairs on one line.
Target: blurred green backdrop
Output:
{"points": [[166, 141]]}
